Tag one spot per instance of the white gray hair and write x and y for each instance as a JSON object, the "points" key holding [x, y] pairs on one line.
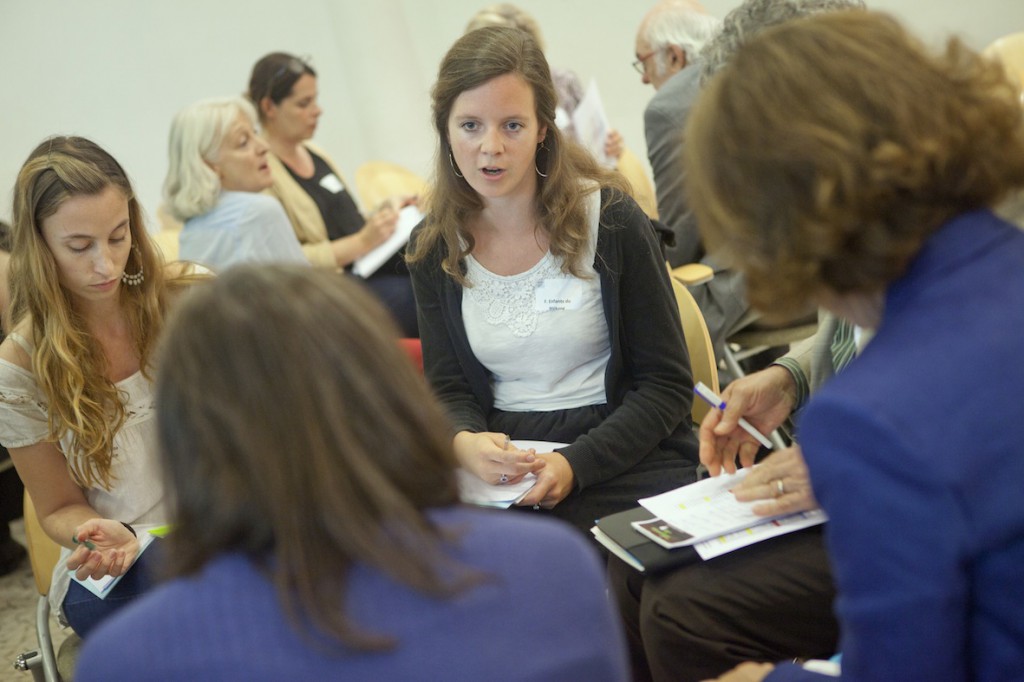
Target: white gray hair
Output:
{"points": [[752, 17], [506, 14], [677, 23], [197, 132]]}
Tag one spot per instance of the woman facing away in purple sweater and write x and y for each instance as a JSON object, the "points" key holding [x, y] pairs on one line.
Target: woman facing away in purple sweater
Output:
{"points": [[317, 528]]}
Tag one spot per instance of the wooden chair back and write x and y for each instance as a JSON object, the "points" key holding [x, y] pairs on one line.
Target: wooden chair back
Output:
{"points": [[698, 343], [43, 552], [378, 181]]}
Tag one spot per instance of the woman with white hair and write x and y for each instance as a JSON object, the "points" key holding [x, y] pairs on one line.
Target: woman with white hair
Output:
{"points": [[218, 167]]}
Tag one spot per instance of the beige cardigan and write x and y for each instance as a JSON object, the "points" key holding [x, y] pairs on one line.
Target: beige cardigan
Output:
{"points": [[302, 210]]}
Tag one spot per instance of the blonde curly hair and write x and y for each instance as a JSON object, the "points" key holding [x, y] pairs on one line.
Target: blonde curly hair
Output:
{"points": [[830, 148]]}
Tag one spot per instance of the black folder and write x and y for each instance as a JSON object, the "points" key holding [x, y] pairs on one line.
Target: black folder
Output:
{"points": [[638, 550]]}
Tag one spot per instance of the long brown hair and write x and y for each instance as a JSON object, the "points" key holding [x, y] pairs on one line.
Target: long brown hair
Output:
{"points": [[68, 363], [477, 57], [294, 430], [830, 148]]}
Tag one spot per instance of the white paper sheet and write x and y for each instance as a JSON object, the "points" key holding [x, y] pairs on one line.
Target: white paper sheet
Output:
{"points": [[708, 510], [749, 536], [592, 125], [408, 218]]}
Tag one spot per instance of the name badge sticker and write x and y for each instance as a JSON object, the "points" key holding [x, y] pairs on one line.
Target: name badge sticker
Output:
{"points": [[331, 183], [559, 293]]}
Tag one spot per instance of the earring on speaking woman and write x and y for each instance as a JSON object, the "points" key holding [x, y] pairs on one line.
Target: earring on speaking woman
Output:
{"points": [[541, 147], [137, 278], [451, 160]]}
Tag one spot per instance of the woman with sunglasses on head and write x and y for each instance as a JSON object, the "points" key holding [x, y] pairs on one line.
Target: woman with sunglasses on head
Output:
{"points": [[332, 230], [546, 311], [218, 167], [88, 298]]}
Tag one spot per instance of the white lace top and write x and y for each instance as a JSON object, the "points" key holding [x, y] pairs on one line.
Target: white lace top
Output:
{"points": [[542, 334], [137, 496]]}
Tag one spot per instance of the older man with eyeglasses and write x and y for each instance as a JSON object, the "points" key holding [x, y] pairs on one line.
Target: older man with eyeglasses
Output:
{"points": [[667, 43]]}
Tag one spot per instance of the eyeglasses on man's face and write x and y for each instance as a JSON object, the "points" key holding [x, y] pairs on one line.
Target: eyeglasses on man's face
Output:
{"points": [[640, 64]]}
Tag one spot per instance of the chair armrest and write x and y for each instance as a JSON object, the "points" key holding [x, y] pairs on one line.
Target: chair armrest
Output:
{"points": [[693, 273]]}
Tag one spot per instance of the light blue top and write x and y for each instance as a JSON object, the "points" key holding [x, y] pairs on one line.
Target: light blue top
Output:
{"points": [[244, 227]]}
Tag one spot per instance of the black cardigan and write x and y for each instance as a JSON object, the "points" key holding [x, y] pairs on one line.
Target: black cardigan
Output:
{"points": [[648, 381]]}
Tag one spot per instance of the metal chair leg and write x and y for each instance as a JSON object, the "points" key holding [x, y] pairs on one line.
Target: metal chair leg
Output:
{"points": [[731, 363], [32, 662], [50, 673]]}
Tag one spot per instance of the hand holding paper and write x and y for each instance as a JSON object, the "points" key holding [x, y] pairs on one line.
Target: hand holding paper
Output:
{"points": [[782, 482], [495, 457], [717, 520], [408, 218], [592, 125], [554, 482]]}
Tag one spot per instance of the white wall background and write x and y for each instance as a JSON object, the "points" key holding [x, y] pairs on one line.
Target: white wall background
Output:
{"points": [[117, 70]]}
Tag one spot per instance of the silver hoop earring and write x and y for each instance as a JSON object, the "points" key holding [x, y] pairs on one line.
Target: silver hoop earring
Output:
{"points": [[536, 167], [451, 160], [135, 279]]}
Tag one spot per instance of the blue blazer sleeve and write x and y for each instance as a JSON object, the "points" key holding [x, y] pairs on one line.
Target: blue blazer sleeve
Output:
{"points": [[901, 567]]}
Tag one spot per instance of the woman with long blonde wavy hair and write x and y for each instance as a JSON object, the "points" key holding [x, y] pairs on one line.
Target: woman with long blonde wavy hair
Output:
{"points": [[88, 298]]}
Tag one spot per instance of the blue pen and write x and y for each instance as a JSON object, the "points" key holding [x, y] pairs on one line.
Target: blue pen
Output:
{"points": [[715, 401]]}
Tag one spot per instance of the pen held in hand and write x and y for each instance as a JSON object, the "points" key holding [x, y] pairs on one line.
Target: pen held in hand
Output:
{"points": [[88, 544], [715, 401], [504, 478]]}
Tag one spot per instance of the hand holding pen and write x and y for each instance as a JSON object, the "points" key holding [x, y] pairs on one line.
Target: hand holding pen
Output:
{"points": [[726, 434], [103, 547]]}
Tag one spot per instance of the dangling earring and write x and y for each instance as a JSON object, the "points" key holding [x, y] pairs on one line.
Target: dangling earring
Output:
{"points": [[137, 278], [535, 166], [451, 160]]}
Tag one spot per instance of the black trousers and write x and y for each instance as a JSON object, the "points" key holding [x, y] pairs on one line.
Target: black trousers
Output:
{"points": [[768, 602], [395, 292], [662, 469]]}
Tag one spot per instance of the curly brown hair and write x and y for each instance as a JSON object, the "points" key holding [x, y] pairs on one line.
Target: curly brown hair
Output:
{"points": [[830, 148]]}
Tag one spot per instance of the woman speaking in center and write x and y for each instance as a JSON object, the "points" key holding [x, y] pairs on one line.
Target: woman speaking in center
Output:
{"points": [[544, 304]]}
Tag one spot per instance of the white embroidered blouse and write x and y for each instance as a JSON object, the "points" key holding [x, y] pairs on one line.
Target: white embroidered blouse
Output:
{"points": [[137, 495]]}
